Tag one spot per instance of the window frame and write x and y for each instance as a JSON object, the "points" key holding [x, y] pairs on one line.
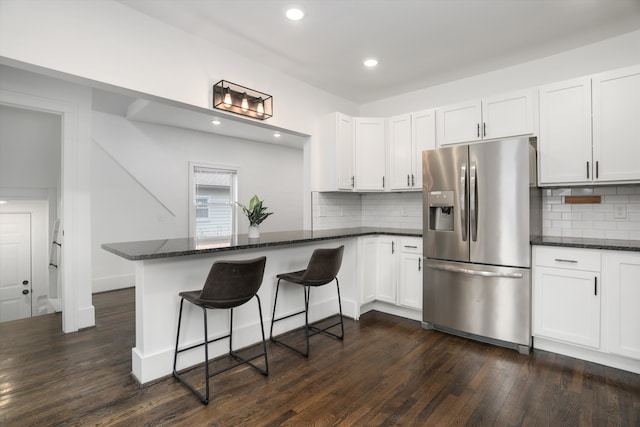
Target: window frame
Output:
{"points": [[193, 220]]}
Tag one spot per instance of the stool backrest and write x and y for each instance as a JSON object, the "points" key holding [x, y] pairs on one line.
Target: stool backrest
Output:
{"points": [[323, 266], [232, 283]]}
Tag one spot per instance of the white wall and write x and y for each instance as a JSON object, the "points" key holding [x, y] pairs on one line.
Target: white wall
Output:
{"points": [[139, 168], [617, 52]]}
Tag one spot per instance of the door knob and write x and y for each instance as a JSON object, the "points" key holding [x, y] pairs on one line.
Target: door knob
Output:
{"points": [[25, 292], [25, 282]]}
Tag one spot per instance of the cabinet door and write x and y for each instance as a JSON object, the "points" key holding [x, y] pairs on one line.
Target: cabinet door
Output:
{"points": [[564, 148], [459, 123], [622, 278], [345, 151], [616, 131], [410, 282], [566, 305], [386, 270], [400, 152], [423, 126], [370, 153], [507, 115], [367, 259]]}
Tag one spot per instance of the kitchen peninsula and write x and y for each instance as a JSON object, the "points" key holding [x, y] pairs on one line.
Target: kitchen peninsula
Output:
{"points": [[169, 266]]}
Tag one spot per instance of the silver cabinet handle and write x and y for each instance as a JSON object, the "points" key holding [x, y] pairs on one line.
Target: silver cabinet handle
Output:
{"points": [[419, 264], [408, 184], [473, 201], [573, 261], [412, 247], [393, 248], [413, 181], [587, 170], [463, 204]]}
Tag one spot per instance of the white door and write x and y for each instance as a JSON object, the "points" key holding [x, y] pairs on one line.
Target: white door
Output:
{"points": [[507, 115], [566, 305], [370, 153], [423, 132], [345, 151], [459, 123], [386, 270], [410, 283], [15, 266], [616, 131], [564, 146], [400, 152]]}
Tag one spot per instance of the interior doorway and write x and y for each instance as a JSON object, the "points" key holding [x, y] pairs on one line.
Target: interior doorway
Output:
{"points": [[15, 266]]}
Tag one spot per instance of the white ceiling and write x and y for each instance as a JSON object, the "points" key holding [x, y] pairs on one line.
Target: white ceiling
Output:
{"points": [[419, 43]]}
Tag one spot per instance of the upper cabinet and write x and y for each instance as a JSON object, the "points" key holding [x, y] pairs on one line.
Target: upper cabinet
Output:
{"points": [[370, 153], [490, 118], [564, 147], [345, 151], [409, 135], [616, 125], [589, 129]]}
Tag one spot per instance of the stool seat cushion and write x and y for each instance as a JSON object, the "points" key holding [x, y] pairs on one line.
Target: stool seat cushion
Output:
{"points": [[298, 277]]}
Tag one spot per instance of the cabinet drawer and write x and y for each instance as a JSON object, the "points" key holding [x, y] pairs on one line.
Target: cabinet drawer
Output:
{"points": [[413, 246], [569, 258]]}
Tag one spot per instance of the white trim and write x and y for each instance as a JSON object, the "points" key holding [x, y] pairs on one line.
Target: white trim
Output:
{"points": [[73, 317]]}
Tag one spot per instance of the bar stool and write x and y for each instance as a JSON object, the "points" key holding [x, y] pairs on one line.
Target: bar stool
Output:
{"points": [[228, 285], [322, 269]]}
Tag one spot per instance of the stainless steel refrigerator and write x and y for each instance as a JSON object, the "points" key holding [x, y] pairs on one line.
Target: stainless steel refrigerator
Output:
{"points": [[481, 209]]}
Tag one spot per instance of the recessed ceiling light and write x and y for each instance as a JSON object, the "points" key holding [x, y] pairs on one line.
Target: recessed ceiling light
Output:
{"points": [[2, 202], [215, 122], [276, 135], [370, 62], [294, 14]]}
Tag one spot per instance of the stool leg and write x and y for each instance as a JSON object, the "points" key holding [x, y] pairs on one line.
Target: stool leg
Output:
{"points": [[273, 317], [206, 358], [307, 292], [175, 355], [340, 308], [264, 342]]}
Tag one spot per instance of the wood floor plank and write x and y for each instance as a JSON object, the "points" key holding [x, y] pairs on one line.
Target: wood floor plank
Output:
{"points": [[387, 371]]}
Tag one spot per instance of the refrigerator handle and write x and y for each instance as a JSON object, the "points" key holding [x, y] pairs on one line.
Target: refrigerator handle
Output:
{"points": [[473, 201], [463, 203], [471, 272]]}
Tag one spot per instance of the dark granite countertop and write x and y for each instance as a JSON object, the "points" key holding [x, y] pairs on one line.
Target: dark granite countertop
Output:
{"points": [[166, 248], [575, 242]]}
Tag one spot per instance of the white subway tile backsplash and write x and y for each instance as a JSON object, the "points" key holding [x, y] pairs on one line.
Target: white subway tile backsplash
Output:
{"points": [[592, 220]]}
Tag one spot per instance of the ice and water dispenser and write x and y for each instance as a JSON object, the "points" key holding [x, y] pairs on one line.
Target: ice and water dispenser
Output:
{"points": [[441, 210]]}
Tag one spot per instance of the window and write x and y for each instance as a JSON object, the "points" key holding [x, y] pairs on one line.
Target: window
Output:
{"points": [[213, 194]]}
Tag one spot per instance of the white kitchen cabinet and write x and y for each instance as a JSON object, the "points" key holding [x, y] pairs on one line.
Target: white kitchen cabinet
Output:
{"points": [[345, 151], [367, 272], [370, 153], [621, 275], [386, 266], [564, 147], [585, 304], [493, 117], [589, 129], [409, 135], [616, 128], [566, 296], [410, 277]]}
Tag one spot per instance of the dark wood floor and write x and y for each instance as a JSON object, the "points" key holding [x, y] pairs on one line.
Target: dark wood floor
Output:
{"points": [[387, 371]]}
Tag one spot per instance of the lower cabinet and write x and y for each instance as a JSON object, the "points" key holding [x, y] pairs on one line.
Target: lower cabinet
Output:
{"points": [[585, 304], [390, 270], [621, 271]]}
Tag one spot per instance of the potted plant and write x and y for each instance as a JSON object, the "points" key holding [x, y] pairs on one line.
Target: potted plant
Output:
{"points": [[256, 213]]}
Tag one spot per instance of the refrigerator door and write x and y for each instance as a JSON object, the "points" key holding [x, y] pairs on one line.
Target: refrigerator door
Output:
{"points": [[486, 301], [499, 202], [446, 210]]}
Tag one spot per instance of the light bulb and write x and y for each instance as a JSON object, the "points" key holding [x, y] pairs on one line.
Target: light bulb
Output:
{"points": [[227, 99], [245, 103], [260, 108]]}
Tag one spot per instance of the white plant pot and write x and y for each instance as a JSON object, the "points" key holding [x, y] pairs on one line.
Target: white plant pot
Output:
{"points": [[254, 231]]}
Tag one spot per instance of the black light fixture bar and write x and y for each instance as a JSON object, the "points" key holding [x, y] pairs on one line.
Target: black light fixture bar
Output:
{"points": [[242, 100]]}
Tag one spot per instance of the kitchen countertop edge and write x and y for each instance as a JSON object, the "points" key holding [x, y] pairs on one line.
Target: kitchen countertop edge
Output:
{"points": [[170, 248], [585, 243]]}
